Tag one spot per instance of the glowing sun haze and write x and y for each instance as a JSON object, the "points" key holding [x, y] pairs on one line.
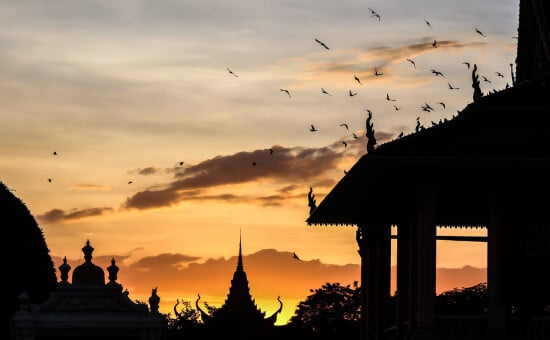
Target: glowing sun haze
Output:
{"points": [[124, 91]]}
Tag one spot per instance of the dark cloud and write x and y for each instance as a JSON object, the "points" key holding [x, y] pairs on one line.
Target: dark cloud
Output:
{"points": [[285, 164], [59, 215], [151, 170], [166, 259]]}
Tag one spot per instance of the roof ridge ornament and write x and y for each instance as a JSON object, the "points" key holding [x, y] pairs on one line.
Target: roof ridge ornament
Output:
{"points": [[475, 84]]}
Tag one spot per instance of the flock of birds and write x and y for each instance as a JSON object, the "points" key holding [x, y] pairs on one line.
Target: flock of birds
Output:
{"points": [[425, 107]]}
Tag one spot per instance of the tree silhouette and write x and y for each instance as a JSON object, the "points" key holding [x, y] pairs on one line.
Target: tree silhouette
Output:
{"points": [[332, 311], [186, 322], [470, 300], [27, 263]]}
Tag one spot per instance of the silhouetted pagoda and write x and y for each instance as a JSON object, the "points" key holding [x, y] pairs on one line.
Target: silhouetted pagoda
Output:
{"points": [[239, 317], [89, 308], [488, 167]]}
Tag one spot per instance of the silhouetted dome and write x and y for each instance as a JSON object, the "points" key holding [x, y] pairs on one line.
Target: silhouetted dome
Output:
{"points": [[88, 273]]}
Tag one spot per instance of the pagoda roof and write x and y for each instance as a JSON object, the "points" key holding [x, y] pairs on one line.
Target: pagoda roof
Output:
{"points": [[501, 139]]}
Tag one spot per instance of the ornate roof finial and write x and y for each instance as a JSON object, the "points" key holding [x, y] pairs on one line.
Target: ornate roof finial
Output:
{"points": [[475, 84], [64, 270], [87, 250], [311, 202], [371, 140], [113, 271]]}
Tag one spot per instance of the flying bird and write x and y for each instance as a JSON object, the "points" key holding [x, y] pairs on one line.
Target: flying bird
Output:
{"points": [[355, 135], [321, 43], [397, 108], [49, 180], [376, 73], [345, 125], [130, 182], [325, 91], [467, 64], [294, 256], [54, 153], [388, 97], [287, 92], [181, 163], [312, 128], [428, 23], [345, 144], [412, 62], [231, 72], [374, 14], [437, 73], [499, 74], [442, 104], [351, 94], [479, 32], [485, 79], [434, 44], [451, 87], [357, 79]]}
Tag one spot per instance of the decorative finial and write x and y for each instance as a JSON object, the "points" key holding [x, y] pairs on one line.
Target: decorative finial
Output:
{"points": [[113, 271], [87, 250], [240, 258], [64, 270], [475, 84], [371, 140], [154, 301], [311, 201]]}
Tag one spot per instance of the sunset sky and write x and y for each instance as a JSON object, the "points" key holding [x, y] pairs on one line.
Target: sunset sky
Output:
{"points": [[156, 139]]}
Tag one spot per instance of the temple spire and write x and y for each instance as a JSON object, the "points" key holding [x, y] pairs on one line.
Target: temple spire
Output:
{"points": [[240, 260]]}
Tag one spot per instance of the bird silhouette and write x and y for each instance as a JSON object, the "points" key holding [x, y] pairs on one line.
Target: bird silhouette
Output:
{"points": [[426, 105], [287, 92], [388, 98], [479, 32], [54, 153], [397, 108], [312, 128], [376, 73], [374, 14], [231, 72], [437, 73], [412, 62], [434, 44], [451, 87], [467, 64], [294, 256], [485, 79], [499, 74], [357, 79], [355, 135], [351, 94], [49, 180], [322, 43], [345, 125], [325, 91], [130, 182], [181, 163], [442, 104], [345, 144], [428, 23]]}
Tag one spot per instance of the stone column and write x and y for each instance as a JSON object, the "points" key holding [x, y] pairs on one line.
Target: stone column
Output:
{"points": [[495, 277]]}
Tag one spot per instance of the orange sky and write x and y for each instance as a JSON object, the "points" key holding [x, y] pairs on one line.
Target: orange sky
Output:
{"points": [[155, 140]]}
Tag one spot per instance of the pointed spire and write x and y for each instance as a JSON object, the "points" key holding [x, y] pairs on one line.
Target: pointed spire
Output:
{"points": [[240, 267]]}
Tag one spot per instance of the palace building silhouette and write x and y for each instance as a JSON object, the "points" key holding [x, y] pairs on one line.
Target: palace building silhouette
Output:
{"points": [[487, 167]]}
